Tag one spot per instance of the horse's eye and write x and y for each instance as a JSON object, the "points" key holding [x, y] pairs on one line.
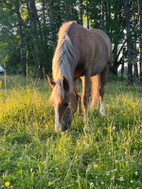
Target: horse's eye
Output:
{"points": [[66, 105]]}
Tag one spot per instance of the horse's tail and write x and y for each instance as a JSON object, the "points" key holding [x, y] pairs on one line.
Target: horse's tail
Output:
{"points": [[95, 90]]}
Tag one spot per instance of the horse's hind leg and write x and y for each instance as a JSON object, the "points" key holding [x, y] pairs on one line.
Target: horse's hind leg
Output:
{"points": [[103, 80], [85, 96]]}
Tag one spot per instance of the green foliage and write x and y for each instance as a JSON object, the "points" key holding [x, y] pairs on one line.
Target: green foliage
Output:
{"points": [[107, 154], [114, 26]]}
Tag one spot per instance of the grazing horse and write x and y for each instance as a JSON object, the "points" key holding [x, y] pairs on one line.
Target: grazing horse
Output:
{"points": [[80, 53]]}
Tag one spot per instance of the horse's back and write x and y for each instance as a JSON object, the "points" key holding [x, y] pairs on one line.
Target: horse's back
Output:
{"points": [[101, 36], [94, 49], [102, 51], [80, 41]]}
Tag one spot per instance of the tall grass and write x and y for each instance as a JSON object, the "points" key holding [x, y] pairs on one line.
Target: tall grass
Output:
{"points": [[32, 155]]}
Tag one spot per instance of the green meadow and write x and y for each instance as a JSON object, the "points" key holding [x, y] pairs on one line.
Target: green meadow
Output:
{"points": [[108, 154]]}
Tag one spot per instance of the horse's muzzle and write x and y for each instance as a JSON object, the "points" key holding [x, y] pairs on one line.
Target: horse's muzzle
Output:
{"points": [[65, 126]]}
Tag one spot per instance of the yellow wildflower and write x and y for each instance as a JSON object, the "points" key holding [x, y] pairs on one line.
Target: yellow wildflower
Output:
{"points": [[7, 184], [18, 165], [68, 138], [59, 148], [49, 182], [126, 149], [4, 9], [3, 140], [96, 165]]}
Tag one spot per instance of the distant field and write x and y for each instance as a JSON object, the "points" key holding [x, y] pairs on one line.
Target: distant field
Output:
{"points": [[34, 156]]}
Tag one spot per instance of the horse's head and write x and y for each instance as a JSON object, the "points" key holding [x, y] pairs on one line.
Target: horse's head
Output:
{"points": [[64, 102]]}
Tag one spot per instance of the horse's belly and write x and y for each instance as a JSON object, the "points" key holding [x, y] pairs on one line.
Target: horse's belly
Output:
{"points": [[97, 67]]}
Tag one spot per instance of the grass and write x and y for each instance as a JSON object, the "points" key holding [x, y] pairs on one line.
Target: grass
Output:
{"points": [[33, 155]]}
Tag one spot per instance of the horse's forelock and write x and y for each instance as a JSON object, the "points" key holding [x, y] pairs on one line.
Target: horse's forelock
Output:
{"points": [[57, 95]]}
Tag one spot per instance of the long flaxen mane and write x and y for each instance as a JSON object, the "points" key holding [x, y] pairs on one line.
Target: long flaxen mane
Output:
{"points": [[65, 54]]}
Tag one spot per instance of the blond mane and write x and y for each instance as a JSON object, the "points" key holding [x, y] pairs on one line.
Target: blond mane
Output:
{"points": [[65, 54]]}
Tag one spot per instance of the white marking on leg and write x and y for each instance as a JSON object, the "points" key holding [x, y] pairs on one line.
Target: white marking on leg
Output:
{"points": [[102, 109], [86, 122], [57, 122]]}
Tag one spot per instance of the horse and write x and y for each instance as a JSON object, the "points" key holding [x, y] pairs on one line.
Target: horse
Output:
{"points": [[80, 53]]}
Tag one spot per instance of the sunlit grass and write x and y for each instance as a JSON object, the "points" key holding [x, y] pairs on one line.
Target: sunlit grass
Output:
{"points": [[32, 155]]}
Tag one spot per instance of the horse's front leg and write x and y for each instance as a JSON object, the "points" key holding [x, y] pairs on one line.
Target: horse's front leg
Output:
{"points": [[85, 96]]}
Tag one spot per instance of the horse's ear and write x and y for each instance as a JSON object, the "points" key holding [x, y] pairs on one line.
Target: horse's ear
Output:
{"points": [[51, 82], [65, 84]]}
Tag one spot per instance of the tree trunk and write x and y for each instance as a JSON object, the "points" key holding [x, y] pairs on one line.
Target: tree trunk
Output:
{"points": [[102, 13], [67, 12], [140, 37], [33, 21], [135, 63], [22, 46], [81, 12], [134, 47], [87, 13], [52, 23], [115, 59], [45, 40], [122, 68], [127, 17]]}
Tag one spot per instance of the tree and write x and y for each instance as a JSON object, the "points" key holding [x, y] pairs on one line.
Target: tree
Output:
{"points": [[140, 36], [22, 44], [67, 12], [33, 29], [134, 39], [127, 17], [81, 11], [52, 23], [102, 13], [34, 44]]}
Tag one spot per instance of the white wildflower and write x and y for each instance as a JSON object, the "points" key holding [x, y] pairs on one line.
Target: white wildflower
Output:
{"points": [[113, 128], [107, 173], [91, 184], [113, 177], [136, 173], [121, 179]]}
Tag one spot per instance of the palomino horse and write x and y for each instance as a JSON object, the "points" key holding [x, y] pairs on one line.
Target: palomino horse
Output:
{"points": [[84, 54]]}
